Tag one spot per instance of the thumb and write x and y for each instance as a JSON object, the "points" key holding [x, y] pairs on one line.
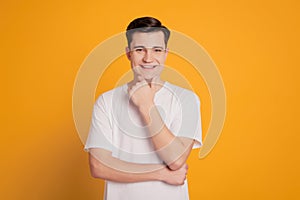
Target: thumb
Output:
{"points": [[154, 82], [140, 78]]}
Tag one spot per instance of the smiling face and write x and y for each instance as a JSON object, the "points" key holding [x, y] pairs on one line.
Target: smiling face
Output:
{"points": [[147, 54]]}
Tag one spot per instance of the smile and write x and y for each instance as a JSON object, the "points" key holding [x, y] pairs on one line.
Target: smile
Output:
{"points": [[148, 66]]}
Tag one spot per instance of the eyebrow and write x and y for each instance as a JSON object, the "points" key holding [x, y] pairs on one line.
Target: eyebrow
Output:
{"points": [[140, 46]]}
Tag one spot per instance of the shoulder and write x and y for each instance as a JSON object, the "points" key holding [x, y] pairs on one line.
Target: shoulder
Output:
{"points": [[116, 93]]}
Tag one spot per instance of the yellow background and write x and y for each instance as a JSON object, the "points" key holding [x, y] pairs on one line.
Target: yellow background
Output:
{"points": [[255, 45]]}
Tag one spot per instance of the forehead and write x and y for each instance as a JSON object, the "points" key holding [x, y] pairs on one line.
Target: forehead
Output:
{"points": [[148, 39]]}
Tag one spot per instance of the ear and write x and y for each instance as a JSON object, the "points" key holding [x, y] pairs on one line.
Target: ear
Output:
{"points": [[167, 51], [127, 50]]}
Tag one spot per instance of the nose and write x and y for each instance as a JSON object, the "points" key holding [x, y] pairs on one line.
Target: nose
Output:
{"points": [[148, 57]]}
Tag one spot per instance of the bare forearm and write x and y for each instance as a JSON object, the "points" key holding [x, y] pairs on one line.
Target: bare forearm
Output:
{"points": [[102, 171], [169, 147], [157, 173], [172, 150], [104, 166]]}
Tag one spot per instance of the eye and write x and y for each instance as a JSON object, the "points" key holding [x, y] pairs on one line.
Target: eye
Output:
{"points": [[158, 50], [138, 49]]}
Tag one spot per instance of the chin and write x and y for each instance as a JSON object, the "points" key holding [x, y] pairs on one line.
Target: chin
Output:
{"points": [[148, 78]]}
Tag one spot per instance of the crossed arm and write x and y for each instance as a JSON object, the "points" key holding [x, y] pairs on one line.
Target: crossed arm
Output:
{"points": [[173, 150], [104, 166]]}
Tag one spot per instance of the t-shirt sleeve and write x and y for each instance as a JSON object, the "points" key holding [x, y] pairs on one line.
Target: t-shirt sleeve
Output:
{"points": [[187, 120], [100, 133]]}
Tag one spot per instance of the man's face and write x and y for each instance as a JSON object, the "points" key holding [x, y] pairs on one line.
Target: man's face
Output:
{"points": [[147, 54]]}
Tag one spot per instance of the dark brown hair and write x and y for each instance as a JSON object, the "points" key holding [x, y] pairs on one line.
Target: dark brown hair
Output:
{"points": [[146, 25]]}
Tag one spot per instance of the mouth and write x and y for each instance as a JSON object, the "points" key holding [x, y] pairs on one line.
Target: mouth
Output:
{"points": [[148, 66]]}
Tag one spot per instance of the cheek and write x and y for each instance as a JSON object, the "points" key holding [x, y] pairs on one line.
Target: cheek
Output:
{"points": [[135, 61], [161, 60], [160, 69]]}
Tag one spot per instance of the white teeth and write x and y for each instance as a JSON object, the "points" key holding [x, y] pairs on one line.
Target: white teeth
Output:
{"points": [[148, 66]]}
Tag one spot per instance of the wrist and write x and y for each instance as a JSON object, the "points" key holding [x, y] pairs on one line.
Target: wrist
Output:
{"points": [[145, 108], [162, 174]]}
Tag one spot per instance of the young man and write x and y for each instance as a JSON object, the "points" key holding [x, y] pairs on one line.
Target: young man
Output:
{"points": [[142, 132]]}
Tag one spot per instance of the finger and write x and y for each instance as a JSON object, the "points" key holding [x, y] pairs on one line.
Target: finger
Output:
{"points": [[131, 90], [141, 81], [140, 78], [154, 82]]}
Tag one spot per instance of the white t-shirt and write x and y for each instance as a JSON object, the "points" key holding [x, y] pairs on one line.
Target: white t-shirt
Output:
{"points": [[116, 126]]}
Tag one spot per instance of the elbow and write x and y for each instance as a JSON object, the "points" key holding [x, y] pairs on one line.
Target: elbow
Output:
{"points": [[176, 164], [180, 161], [96, 170], [95, 173]]}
